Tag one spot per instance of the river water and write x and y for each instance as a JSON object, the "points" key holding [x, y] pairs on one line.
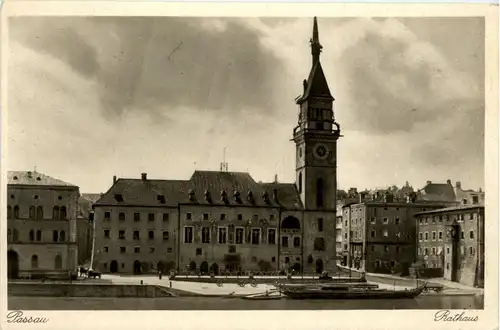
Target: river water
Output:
{"points": [[212, 303]]}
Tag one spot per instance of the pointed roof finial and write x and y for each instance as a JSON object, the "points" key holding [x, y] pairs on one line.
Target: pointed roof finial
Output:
{"points": [[315, 45]]}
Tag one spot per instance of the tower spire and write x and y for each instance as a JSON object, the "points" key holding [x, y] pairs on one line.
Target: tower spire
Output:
{"points": [[315, 45]]}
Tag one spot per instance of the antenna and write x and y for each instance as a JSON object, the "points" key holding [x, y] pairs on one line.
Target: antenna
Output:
{"points": [[224, 166]]}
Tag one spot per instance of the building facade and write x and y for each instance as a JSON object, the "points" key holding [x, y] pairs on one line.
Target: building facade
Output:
{"points": [[451, 240], [225, 221], [41, 226], [381, 234]]}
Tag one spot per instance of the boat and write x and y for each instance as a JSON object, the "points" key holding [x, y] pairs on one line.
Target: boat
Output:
{"points": [[329, 285], [333, 292], [262, 297]]}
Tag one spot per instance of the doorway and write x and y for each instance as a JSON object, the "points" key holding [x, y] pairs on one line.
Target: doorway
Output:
{"points": [[137, 267], [204, 268], [214, 268], [12, 264], [319, 266], [113, 267]]}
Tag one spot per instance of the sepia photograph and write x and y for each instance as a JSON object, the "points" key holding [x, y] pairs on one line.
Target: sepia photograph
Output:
{"points": [[246, 163]]}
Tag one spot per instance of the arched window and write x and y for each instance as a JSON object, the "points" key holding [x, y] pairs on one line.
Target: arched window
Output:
{"points": [[62, 236], [34, 261], [9, 235], [300, 183], [15, 235], [58, 262], [319, 193], [39, 213], [63, 213], [55, 213], [290, 223], [9, 212], [55, 236], [32, 212], [16, 212], [32, 235], [38, 235], [319, 244]]}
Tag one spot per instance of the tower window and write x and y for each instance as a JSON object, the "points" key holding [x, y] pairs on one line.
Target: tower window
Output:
{"points": [[319, 192], [300, 183]]}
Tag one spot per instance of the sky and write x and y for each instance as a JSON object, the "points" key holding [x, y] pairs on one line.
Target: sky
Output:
{"points": [[93, 97]]}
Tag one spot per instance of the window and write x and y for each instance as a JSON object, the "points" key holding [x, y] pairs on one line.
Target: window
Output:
{"points": [[199, 251], [421, 221], [284, 241], [123, 249], [319, 192], [205, 235], [448, 265], [386, 221], [471, 234], [62, 212], [386, 248], [222, 217], [137, 216], [107, 215], [256, 236], [135, 235], [426, 251], [420, 236], [151, 217], [222, 235], [106, 249], [189, 216], [393, 263], [165, 235], [34, 261], [434, 219], [32, 213], [373, 234], [239, 235], [106, 233], [296, 242], [205, 216], [58, 262], [433, 251], [345, 236], [271, 236], [471, 250], [372, 248], [320, 224], [271, 217], [151, 234], [397, 221], [426, 236], [372, 221], [475, 199], [462, 235], [447, 250], [240, 216], [16, 212], [231, 249], [440, 235], [165, 216], [121, 216], [161, 199], [38, 235], [385, 233], [121, 234], [39, 213], [137, 249], [433, 235], [255, 217], [55, 236]]}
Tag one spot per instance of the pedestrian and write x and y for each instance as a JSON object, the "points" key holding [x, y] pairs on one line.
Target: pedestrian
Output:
{"points": [[159, 274]]}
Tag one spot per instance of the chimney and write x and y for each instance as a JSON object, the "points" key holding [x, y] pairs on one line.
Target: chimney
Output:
{"points": [[448, 182], [429, 182], [458, 185], [114, 179], [144, 176]]}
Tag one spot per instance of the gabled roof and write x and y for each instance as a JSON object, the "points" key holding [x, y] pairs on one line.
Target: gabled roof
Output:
{"points": [[34, 178], [148, 192]]}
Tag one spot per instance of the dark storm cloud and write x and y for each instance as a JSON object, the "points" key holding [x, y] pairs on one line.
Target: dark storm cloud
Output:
{"points": [[57, 37], [156, 63]]}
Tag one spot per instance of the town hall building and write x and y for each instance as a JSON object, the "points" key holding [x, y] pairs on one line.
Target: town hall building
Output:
{"points": [[226, 221]]}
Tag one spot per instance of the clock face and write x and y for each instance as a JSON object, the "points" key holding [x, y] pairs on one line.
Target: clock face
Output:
{"points": [[321, 151]]}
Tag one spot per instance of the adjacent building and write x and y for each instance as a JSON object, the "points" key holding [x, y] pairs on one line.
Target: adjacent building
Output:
{"points": [[41, 226], [381, 233], [451, 243], [225, 221]]}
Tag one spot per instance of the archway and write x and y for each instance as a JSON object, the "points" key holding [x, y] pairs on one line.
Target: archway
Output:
{"points": [[290, 222], [58, 262], [159, 266], [319, 266], [113, 267], [214, 268], [204, 267], [137, 267], [192, 266], [12, 264], [296, 267]]}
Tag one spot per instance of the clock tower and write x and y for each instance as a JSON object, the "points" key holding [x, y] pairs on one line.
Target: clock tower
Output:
{"points": [[315, 137]]}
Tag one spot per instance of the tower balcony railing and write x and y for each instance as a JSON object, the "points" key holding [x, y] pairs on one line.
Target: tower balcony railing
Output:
{"points": [[335, 130]]}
